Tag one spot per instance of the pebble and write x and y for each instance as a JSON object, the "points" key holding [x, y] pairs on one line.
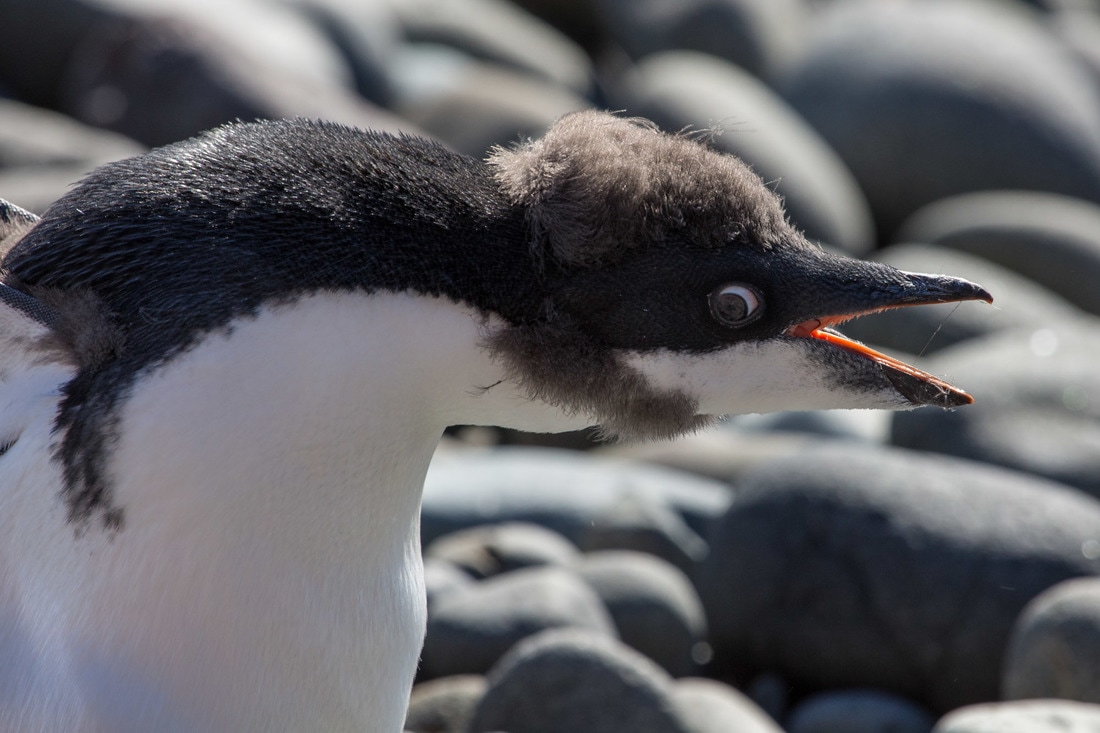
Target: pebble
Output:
{"points": [[442, 577], [1054, 240], [654, 606], [681, 90], [564, 491], [469, 629], [924, 100], [164, 73], [635, 524], [575, 18], [476, 106], [572, 680], [722, 453], [493, 549], [367, 36], [1037, 404], [858, 711], [445, 705], [1030, 716], [887, 568], [498, 32], [1080, 32], [760, 36], [709, 706], [42, 153], [1055, 646]]}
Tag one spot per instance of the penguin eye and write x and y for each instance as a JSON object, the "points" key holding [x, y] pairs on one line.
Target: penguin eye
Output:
{"points": [[735, 304]]}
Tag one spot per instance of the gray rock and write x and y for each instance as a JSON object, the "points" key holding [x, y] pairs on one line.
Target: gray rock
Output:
{"points": [[866, 425], [500, 33], [476, 105], [758, 35], [575, 18], [1080, 32], [858, 711], [469, 629], [42, 153], [634, 523], [1054, 240], [681, 90], [571, 680], [1055, 647], [1032, 716], [654, 606], [723, 453], [445, 705], [771, 692], [561, 490], [500, 548], [887, 568], [441, 578], [926, 100], [1018, 303], [366, 34], [1035, 407], [160, 72], [708, 706]]}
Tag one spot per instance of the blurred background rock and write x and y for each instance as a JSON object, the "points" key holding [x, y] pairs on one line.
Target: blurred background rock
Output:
{"points": [[857, 572]]}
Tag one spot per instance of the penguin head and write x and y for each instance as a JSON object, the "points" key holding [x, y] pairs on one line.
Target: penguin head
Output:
{"points": [[677, 291]]}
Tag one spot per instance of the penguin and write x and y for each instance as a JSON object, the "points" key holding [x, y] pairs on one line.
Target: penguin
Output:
{"points": [[225, 365]]}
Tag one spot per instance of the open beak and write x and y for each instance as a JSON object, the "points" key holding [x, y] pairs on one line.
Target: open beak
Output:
{"points": [[917, 386]]}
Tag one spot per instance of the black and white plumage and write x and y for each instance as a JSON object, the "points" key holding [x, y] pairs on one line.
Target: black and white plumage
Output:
{"points": [[215, 427]]}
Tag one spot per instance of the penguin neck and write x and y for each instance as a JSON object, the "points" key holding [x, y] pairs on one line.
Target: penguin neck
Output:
{"points": [[276, 470]]}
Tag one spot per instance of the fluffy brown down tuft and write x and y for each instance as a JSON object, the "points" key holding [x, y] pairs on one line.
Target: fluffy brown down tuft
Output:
{"points": [[596, 185]]}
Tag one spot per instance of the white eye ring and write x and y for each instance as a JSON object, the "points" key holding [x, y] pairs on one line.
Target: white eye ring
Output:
{"points": [[735, 304]]}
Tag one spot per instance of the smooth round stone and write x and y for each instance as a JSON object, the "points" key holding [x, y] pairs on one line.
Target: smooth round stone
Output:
{"points": [[441, 578], [723, 453], [562, 490], [1080, 32], [1054, 240], [852, 567], [43, 153], [366, 34], [444, 705], [858, 711], [276, 36], [1018, 303], [159, 79], [709, 706], [653, 604], [500, 548], [1030, 716], [469, 629], [924, 100], [642, 526], [1037, 404], [571, 680], [1055, 647], [501, 33], [575, 18], [868, 425], [474, 105], [760, 36], [681, 90]]}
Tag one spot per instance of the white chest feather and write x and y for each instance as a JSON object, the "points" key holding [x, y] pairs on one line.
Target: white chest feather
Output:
{"points": [[267, 576]]}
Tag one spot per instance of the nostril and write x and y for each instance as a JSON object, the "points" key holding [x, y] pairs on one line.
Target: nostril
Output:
{"points": [[7, 443]]}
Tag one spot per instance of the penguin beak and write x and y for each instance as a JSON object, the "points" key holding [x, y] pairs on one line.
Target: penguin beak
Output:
{"points": [[917, 386]]}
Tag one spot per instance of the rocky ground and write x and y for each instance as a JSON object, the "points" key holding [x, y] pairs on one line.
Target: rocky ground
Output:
{"points": [[810, 573]]}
